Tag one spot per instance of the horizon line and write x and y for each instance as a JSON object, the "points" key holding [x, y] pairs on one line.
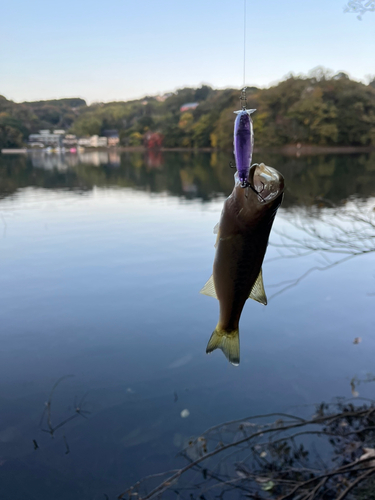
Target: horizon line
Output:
{"points": [[273, 83]]}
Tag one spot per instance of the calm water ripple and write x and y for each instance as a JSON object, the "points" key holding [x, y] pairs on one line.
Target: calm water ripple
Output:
{"points": [[101, 260]]}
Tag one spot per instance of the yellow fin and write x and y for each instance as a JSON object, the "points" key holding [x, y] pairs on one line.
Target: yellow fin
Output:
{"points": [[217, 239], [217, 232], [257, 292], [228, 342], [209, 288]]}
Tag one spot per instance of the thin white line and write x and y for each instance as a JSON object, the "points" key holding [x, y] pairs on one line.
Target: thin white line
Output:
{"points": [[244, 41]]}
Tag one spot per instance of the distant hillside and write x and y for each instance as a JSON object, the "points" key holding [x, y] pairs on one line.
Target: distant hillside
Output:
{"points": [[18, 120], [316, 110]]}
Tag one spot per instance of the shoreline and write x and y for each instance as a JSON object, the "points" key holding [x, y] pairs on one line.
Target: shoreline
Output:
{"points": [[289, 150]]}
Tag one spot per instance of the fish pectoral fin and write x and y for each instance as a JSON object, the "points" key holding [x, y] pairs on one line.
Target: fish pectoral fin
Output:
{"points": [[209, 288], [217, 236], [217, 231], [228, 342], [257, 292]]}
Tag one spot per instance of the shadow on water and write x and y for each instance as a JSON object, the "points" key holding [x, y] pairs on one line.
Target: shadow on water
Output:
{"points": [[189, 175]]}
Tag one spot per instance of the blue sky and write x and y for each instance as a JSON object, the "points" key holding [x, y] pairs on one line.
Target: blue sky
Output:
{"points": [[118, 50]]}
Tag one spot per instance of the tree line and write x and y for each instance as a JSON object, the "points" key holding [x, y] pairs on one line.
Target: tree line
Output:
{"points": [[318, 109]]}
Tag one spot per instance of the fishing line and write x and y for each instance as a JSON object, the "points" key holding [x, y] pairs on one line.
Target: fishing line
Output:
{"points": [[244, 42], [243, 98]]}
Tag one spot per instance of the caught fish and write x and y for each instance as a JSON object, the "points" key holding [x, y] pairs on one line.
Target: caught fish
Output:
{"points": [[243, 142], [242, 238]]}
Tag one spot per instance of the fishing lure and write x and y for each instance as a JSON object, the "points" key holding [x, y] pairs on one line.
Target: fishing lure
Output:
{"points": [[243, 141]]}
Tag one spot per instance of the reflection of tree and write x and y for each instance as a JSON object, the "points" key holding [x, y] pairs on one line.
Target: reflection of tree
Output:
{"points": [[334, 177], [336, 234], [277, 456], [189, 174], [47, 414]]}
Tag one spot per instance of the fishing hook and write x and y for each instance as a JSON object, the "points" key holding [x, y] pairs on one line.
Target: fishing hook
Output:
{"points": [[246, 184]]}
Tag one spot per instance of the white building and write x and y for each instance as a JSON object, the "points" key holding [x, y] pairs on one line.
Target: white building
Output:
{"points": [[46, 138], [102, 142], [93, 142], [84, 142], [98, 142], [70, 140]]}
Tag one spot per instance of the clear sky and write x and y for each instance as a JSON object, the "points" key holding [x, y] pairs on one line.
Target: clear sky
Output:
{"points": [[122, 49]]}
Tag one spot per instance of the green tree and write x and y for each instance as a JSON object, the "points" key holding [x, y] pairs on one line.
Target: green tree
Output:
{"points": [[10, 137], [88, 124], [201, 131], [135, 139], [314, 118]]}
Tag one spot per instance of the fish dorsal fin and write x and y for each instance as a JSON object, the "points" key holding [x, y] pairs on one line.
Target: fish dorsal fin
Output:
{"points": [[257, 292], [216, 228], [209, 288], [248, 111]]}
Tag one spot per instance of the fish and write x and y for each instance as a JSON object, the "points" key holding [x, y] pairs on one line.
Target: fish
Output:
{"points": [[243, 142], [242, 238]]}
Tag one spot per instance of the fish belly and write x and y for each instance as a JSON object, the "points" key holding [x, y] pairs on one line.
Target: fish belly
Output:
{"points": [[236, 267]]}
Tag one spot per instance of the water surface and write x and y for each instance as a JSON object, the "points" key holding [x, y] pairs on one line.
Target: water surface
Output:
{"points": [[102, 257]]}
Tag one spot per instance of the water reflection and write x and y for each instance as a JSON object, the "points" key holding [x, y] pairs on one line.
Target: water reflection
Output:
{"points": [[41, 159], [105, 286], [190, 175], [280, 456], [333, 234]]}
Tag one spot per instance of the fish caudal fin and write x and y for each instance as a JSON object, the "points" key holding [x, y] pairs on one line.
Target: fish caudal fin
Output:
{"points": [[228, 342]]}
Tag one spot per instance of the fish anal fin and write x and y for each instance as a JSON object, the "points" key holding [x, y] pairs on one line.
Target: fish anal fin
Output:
{"points": [[257, 292], [209, 288], [228, 342], [216, 228]]}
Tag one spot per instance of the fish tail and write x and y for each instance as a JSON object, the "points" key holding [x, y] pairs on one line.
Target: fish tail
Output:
{"points": [[228, 342]]}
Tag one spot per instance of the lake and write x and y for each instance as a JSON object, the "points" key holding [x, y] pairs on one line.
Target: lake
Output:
{"points": [[102, 257]]}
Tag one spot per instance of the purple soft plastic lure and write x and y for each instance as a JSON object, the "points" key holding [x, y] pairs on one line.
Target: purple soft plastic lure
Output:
{"points": [[243, 143]]}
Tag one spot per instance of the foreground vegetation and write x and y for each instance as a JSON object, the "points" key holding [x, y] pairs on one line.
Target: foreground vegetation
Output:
{"points": [[329, 456], [321, 109]]}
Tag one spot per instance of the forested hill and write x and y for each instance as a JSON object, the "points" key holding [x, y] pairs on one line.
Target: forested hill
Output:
{"points": [[318, 110]]}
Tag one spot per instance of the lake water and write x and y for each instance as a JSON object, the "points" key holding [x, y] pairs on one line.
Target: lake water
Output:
{"points": [[102, 257]]}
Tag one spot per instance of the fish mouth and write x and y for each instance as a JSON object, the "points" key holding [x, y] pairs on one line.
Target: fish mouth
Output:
{"points": [[267, 182]]}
